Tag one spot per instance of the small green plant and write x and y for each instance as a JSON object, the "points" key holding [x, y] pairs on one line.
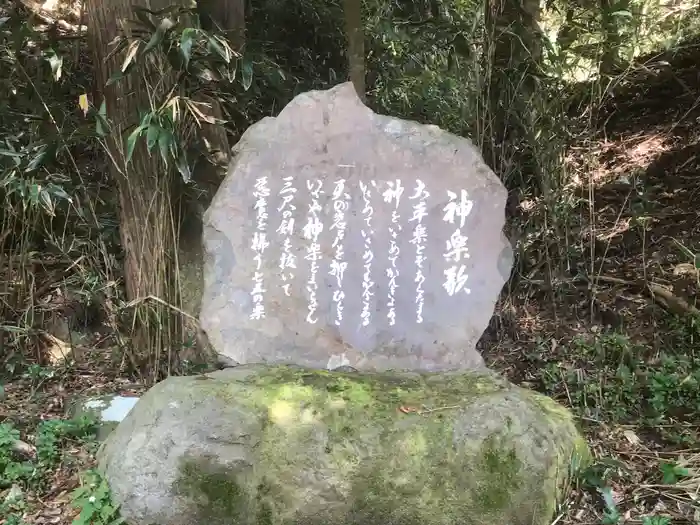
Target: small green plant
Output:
{"points": [[52, 433], [12, 470], [93, 498], [656, 520], [611, 515], [16, 473], [50, 436], [12, 505], [673, 472], [39, 375], [13, 519], [619, 381], [596, 477], [598, 474]]}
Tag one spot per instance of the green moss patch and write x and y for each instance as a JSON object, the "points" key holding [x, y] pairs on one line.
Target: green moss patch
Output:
{"points": [[409, 449], [215, 494]]}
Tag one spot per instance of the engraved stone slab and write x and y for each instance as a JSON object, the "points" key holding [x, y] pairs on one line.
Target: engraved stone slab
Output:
{"points": [[341, 237]]}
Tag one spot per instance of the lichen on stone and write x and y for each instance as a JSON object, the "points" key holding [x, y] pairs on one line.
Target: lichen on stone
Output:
{"points": [[215, 495], [336, 446]]}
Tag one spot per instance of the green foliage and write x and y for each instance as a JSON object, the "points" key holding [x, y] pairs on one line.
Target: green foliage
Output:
{"points": [[673, 472], [429, 61], [38, 375], [14, 519], [199, 63], [12, 505], [599, 473], [582, 35], [12, 470], [619, 381], [51, 436], [18, 472], [656, 520], [33, 74], [428, 66], [46, 213], [93, 498], [599, 476], [611, 515]]}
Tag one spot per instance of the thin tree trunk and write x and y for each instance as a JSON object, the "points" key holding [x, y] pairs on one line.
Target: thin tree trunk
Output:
{"points": [[515, 54], [229, 15], [611, 50], [356, 45], [148, 225], [566, 35]]}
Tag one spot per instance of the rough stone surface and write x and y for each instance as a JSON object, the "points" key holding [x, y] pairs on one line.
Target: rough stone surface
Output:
{"points": [[357, 295], [282, 445], [195, 199]]}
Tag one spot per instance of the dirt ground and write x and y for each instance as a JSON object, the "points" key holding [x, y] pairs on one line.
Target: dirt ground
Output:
{"points": [[624, 262]]}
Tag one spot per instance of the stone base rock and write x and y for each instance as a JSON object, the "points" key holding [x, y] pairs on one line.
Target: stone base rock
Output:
{"points": [[273, 445]]}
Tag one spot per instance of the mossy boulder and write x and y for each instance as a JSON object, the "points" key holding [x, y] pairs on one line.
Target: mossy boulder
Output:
{"points": [[282, 445]]}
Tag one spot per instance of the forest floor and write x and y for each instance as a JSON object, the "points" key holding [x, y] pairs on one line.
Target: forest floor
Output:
{"points": [[600, 315]]}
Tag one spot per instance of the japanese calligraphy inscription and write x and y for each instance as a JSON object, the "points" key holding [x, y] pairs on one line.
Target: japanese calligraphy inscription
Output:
{"points": [[343, 237]]}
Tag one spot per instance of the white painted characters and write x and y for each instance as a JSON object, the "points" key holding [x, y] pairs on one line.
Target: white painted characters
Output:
{"points": [[288, 260], [312, 230], [457, 250], [338, 264], [335, 203], [393, 194], [259, 245], [457, 208], [367, 256], [420, 234]]}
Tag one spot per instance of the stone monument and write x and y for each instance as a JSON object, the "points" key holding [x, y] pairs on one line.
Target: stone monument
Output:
{"points": [[341, 237]]}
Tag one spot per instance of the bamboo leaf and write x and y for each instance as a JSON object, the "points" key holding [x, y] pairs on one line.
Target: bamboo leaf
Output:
{"points": [[165, 144], [131, 142], [247, 74], [152, 136], [130, 54], [215, 45], [83, 103], [186, 41]]}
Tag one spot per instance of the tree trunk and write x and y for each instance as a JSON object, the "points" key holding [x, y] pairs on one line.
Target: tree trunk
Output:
{"points": [[515, 54], [611, 45], [567, 33], [229, 15], [356, 45], [148, 222]]}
